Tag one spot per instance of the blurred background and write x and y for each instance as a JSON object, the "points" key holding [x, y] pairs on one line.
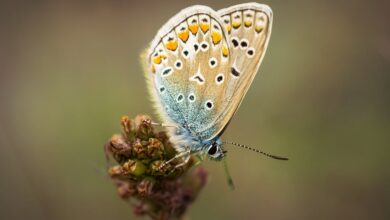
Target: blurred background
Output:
{"points": [[70, 70]]}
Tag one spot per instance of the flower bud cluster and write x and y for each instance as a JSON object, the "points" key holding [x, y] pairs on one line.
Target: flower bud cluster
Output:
{"points": [[161, 190]]}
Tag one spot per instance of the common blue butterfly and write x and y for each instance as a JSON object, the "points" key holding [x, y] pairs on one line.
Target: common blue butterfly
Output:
{"points": [[200, 66]]}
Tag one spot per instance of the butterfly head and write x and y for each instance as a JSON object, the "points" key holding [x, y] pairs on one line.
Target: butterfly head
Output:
{"points": [[215, 151]]}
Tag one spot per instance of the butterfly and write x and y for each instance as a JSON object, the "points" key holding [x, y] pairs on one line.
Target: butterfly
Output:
{"points": [[200, 66]]}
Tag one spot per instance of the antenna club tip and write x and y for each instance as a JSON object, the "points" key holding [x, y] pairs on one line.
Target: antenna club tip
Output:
{"points": [[280, 158]]}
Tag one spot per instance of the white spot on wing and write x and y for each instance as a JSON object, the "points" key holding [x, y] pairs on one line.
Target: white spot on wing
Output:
{"points": [[191, 97], [235, 42], [185, 53], [244, 44], [204, 46], [212, 62], [198, 77], [209, 105], [219, 79], [166, 71], [178, 64], [250, 52], [180, 98]]}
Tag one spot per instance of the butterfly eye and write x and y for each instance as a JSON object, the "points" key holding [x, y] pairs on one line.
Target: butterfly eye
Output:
{"points": [[213, 149]]}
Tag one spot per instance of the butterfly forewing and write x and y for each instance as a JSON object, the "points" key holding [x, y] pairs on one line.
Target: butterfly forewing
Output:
{"points": [[249, 28]]}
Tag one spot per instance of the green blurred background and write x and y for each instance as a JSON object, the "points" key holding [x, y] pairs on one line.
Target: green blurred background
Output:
{"points": [[69, 71]]}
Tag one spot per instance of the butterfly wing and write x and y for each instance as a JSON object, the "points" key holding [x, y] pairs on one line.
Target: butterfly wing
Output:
{"points": [[202, 68], [187, 61], [249, 28]]}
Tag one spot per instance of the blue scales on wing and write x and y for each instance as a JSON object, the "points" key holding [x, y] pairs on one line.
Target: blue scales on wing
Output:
{"points": [[189, 65]]}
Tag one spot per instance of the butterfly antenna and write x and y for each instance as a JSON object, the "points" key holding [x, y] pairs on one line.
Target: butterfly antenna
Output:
{"points": [[228, 176], [256, 150]]}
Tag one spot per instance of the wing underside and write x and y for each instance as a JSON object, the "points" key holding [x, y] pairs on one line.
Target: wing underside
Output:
{"points": [[202, 62]]}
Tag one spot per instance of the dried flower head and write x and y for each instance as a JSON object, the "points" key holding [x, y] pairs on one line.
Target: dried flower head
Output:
{"points": [[160, 192]]}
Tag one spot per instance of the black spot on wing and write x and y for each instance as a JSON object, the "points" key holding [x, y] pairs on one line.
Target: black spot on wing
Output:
{"points": [[199, 79], [235, 72]]}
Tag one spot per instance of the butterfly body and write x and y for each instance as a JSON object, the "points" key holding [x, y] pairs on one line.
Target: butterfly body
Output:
{"points": [[199, 67]]}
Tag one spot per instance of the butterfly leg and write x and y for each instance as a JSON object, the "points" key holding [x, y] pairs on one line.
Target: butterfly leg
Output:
{"points": [[187, 157], [186, 154], [164, 125]]}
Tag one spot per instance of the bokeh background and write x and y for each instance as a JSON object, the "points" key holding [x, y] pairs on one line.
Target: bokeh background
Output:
{"points": [[70, 70]]}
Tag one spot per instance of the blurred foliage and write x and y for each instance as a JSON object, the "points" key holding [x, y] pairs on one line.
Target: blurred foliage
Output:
{"points": [[69, 70]]}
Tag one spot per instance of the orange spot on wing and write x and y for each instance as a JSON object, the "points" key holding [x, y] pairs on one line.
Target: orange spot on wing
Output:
{"points": [[258, 29], [171, 45], [248, 23], [236, 24], [216, 37], [225, 51], [204, 27], [193, 28], [158, 59], [228, 28], [183, 35], [153, 69]]}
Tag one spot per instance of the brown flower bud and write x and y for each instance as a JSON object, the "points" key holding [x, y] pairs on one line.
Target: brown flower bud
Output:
{"points": [[155, 149], [118, 143], [143, 126], [139, 149], [134, 167], [169, 150], [126, 189], [119, 148], [115, 171], [145, 187], [128, 128], [157, 168]]}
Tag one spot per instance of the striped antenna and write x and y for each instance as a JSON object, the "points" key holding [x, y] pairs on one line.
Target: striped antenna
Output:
{"points": [[256, 150]]}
